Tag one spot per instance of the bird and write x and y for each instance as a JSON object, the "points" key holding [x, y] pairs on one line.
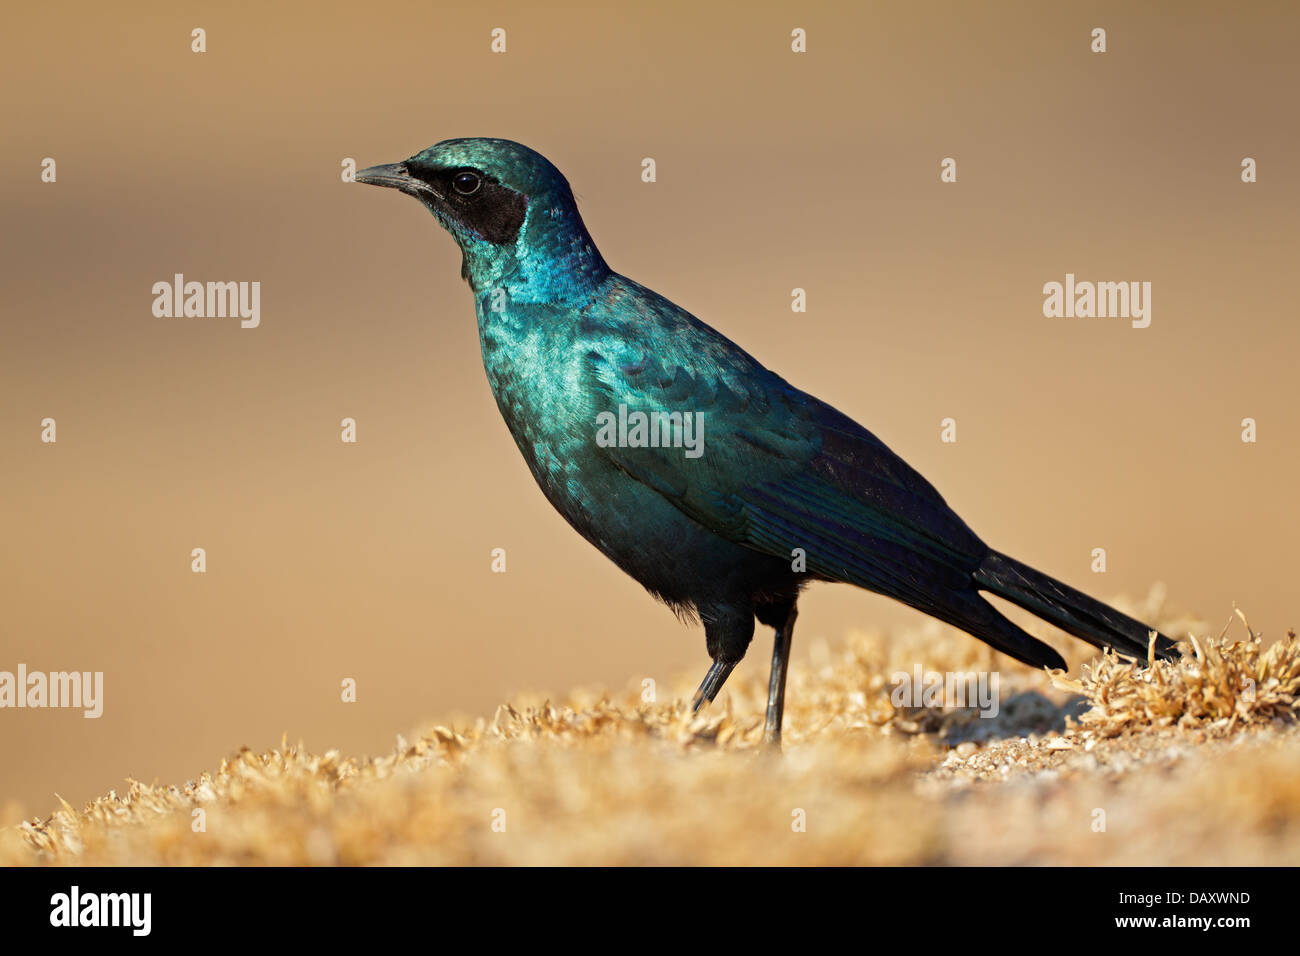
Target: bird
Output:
{"points": [[743, 489]]}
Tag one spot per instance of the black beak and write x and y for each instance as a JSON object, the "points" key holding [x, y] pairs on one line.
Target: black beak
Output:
{"points": [[396, 176]]}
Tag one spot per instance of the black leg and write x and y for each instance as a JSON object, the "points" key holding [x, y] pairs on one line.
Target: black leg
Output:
{"points": [[728, 628], [776, 684], [718, 673]]}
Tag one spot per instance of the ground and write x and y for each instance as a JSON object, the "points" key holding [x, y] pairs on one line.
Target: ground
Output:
{"points": [[1193, 762]]}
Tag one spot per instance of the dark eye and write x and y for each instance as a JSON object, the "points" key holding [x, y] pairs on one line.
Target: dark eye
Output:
{"points": [[466, 183]]}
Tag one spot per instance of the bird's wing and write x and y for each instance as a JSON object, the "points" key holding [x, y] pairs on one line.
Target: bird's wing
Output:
{"points": [[779, 469]]}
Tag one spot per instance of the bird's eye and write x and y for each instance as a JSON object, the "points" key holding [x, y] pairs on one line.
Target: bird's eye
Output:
{"points": [[466, 183]]}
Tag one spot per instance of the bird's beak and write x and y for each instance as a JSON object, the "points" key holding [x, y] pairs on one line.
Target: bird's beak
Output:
{"points": [[393, 174], [397, 176]]}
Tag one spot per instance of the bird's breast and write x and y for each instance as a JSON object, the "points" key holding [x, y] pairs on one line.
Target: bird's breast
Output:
{"points": [[535, 374]]}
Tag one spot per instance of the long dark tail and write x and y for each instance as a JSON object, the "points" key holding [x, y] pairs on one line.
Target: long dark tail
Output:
{"points": [[1070, 610]]}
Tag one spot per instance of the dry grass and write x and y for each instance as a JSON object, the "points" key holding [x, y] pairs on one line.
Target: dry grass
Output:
{"points": [[1218, 685], [1184, 763]]}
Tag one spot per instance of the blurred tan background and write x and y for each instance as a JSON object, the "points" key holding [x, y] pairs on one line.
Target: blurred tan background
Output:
{"points": [[775, 170]]}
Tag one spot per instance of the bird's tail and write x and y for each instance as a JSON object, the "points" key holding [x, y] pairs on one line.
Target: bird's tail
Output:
{"points": [[1070, 610]]}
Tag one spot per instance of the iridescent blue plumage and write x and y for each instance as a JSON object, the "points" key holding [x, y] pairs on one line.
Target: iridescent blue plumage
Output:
{"points": [[786, 489]]}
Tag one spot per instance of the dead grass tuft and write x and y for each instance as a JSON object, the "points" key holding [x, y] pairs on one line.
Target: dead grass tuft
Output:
{"points": [[1215, 686]]}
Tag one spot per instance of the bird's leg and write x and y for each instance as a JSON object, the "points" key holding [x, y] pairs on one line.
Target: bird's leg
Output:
{"points": [[776, 684], [718, 673], [728, 628]]}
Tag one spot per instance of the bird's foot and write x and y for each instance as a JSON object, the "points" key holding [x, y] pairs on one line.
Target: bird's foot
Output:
{"points": [[718, 673]]}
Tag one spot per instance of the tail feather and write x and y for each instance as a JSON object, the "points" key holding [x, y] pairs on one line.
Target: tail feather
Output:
{"points": [[976, 616], [1070, 610]]}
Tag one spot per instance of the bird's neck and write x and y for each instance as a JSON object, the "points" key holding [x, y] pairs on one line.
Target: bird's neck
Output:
{"points": [[552, 260]]}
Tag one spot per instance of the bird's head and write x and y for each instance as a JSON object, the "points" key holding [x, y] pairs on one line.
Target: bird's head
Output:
{"points": [[509, 209]]}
